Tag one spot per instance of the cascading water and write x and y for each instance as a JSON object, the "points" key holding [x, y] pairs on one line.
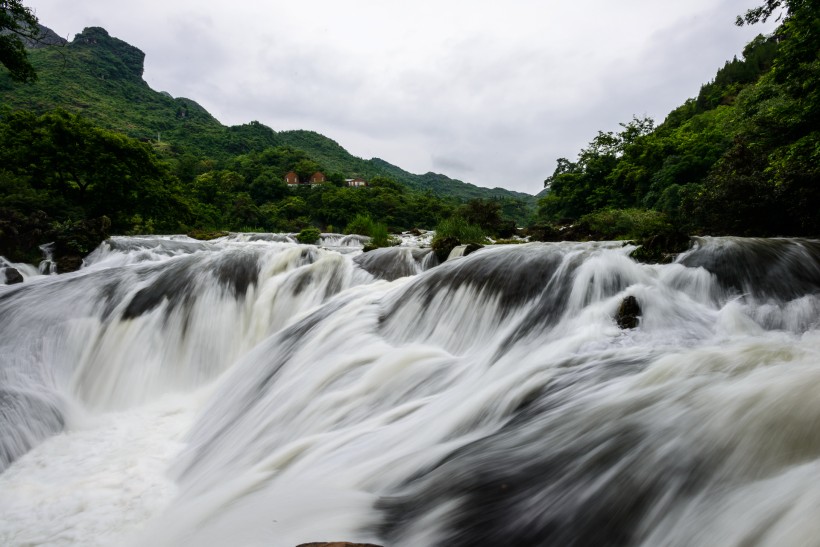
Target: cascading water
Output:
{"points": [[252, 391]]}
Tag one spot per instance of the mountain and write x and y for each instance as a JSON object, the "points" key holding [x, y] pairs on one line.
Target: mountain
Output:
{"points": [[100, 76]]}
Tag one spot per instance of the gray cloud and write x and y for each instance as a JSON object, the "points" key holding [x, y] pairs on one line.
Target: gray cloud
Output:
{"points": [[451, 166]]}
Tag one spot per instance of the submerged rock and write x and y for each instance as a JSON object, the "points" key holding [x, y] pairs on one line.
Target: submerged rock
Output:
{"points": [[628, 313]]}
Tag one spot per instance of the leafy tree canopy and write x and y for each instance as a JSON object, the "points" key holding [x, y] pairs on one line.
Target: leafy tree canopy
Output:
{"points": [[16, 22]]}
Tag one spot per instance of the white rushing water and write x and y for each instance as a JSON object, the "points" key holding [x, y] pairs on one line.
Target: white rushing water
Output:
{"points": [[251, 391]]}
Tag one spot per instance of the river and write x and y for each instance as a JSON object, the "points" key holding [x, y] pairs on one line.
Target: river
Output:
{"points": [[251, 391]]}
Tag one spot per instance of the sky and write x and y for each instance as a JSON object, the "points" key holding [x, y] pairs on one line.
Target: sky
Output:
{"points": [[492, 93]]}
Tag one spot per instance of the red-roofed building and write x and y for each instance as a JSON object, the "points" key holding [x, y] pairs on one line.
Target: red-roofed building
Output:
{"points": [[292, 178], [317, 178]]}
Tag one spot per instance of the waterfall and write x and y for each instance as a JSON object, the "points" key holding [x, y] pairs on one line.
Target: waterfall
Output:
{"points": [[253, 391]]}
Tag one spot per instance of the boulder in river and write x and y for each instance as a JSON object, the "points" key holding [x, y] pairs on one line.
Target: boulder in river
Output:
{"points": [[12, 276], [628, 313]]}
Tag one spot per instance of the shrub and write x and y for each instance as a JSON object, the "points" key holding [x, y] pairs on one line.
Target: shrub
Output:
{"points": [[308, 235], [361, 225], [455, 231], [626, 223], [379, 235], [461, 230]]}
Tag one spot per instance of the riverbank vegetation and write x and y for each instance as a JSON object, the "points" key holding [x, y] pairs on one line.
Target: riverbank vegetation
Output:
{"points": [[89, 148], [741, 158]]}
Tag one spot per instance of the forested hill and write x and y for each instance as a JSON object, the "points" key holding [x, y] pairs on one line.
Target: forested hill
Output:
{"points": [[742, 158], [100, 77]]}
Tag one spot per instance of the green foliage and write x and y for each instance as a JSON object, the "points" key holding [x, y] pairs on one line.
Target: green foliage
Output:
{"points": [[455, 231], [205, 235], [101, 142], [79, 169], [305, 168], [308, 235], [101, 77], [460, 229], [361, 224], [626, 223], [758, 57], [592, 182], [486, 214], [379, 236], [17, 23], [741, 158]]}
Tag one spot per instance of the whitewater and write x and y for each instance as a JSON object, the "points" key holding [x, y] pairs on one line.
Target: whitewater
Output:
{"points": [[252, 391]]}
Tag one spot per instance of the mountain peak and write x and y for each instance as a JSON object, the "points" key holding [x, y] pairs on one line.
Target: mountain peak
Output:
{"points": [[45, 37], [117, 59]]}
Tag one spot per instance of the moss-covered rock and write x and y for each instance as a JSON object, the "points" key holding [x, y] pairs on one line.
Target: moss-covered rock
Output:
{"points": [[443, 245], [661, 248], [73, 240], [206, 235], [309, 236]]}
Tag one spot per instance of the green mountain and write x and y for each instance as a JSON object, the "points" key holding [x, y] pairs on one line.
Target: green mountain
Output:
{"points": [[100, 77]]}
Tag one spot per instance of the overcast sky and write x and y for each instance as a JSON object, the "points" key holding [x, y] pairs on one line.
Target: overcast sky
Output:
{"points": [[488, 92]]}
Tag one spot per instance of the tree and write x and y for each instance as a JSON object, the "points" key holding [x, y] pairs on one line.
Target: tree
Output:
{"points": [[305, 168], [17, 22], [761, 13], [67, 159]]}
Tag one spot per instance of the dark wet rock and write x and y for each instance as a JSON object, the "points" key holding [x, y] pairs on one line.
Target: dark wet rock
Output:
{"points": [[471, 248], [460, 251], [779, 268], [13, 276], [593, 488], [628, 313], [69, 263], [391, 263], [236, 272], [74, 240], [661, 248], [543, 232], [564, 231], [21, 235], [174, 285], [443, 245]]}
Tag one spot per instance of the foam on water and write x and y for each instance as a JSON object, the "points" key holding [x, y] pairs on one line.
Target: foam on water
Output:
{"points": [[252, 391]]}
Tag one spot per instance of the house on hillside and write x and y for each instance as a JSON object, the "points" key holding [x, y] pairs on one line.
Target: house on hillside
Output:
{"points": [[317, 178], [292, 179], [356, 183]]}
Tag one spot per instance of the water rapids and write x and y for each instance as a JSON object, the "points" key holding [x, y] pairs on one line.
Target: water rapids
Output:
{"points": [[251, 391]]}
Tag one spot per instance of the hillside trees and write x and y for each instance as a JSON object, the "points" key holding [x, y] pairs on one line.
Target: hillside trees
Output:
{"points": [[589, 183], [741, 158], [16, 22], [84, 171]]}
